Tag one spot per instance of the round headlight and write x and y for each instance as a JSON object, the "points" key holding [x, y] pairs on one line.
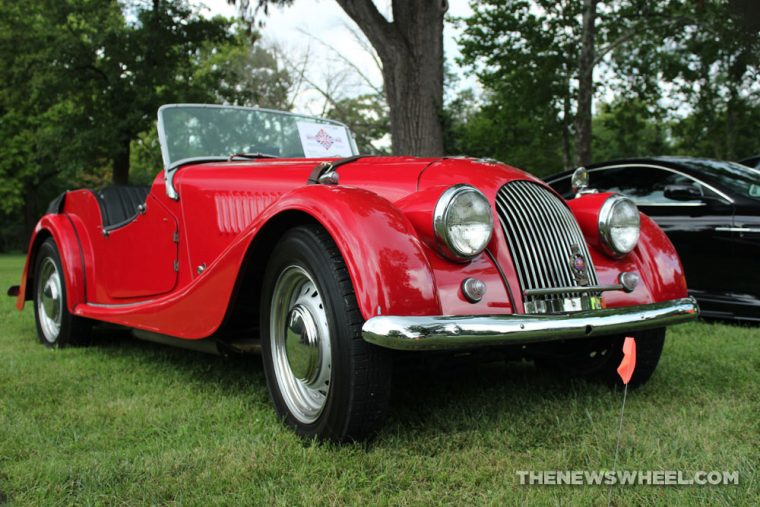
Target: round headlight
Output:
{"points": [[463, 222], [619, 225]]}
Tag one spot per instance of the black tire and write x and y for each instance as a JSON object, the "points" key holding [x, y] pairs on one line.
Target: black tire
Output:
{"points": [[56, 326], [597, 359], [350, 383]]}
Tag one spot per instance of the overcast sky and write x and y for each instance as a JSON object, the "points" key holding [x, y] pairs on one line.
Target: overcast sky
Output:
{"points": [[327, 21]]}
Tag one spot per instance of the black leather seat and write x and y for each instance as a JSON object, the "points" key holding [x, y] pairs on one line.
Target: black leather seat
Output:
{"points": [[120, 204]]}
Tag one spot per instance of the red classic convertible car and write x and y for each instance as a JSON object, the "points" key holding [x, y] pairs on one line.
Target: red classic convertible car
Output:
{"points": [[267, 231]]}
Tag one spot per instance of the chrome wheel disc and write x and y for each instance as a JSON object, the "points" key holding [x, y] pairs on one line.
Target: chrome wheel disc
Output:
{"points": [[49, 300], [300, 342]]}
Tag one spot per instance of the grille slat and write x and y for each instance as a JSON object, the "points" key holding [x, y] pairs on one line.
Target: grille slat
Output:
{"points": [[541, 237], [504, 219], [529, 237], [559, 215], [553, 240], [575, 232], [541, 233]]}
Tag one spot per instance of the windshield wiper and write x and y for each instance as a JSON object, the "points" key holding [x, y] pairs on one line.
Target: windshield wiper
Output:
{"points": [[251, 156]]}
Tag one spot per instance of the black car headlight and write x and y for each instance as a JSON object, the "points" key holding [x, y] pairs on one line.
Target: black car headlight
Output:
{"points": [[619, 225], [463, 222]]}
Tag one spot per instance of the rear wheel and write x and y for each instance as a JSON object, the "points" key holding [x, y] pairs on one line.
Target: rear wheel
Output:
{"points": [[56, 326], [598, 358], [324, 380]]}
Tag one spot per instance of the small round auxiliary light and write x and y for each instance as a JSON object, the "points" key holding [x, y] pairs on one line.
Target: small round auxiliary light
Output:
{"points": [[629, 280], [579, 180], [473, 289]]}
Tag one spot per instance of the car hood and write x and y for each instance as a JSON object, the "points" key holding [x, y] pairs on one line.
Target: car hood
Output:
{"points": [[396, 177], [393, 178]]}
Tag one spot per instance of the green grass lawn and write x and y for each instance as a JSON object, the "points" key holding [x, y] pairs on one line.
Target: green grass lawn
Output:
{"points": [[128, 422]]}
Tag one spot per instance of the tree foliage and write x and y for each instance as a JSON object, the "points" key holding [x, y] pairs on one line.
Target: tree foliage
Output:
{"points": [[671, 76], [81, 80]]}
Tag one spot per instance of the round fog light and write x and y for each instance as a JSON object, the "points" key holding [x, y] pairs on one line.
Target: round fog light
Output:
{"points": [[473, 289], [629, 280]]}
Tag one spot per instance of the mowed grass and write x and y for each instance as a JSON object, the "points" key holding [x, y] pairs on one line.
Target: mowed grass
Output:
{"points": [[126, 422]]}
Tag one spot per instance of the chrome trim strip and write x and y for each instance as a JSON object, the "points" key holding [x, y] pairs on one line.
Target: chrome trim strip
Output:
{"points": [[471, 331], [654, 166], [582, 290], [737, 229], [117, 305], [666, 204]]}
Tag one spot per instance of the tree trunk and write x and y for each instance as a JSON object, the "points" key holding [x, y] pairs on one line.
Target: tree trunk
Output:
{"points": [[567, 151], [411, 50], [736, 70], [585, 85], [121, 165]]}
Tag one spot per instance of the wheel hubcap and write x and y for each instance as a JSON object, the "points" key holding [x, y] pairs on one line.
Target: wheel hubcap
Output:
{"points": [[49, 300], [300, 340], [302, 344]]}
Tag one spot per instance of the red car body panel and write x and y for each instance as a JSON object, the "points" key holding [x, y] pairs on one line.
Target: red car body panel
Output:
{"points": [[61, 228], [380, 217]]}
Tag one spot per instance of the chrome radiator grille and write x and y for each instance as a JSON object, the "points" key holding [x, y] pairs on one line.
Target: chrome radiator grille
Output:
{"points": [[544, 240]]}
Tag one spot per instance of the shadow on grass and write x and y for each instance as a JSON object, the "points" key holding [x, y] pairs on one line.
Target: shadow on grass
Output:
{"points": [[436, 399], [448, 396], [233, 374], [437, 403]]}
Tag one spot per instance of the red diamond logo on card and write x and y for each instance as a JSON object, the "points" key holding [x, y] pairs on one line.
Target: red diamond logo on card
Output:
{"points": [[324, 139]]}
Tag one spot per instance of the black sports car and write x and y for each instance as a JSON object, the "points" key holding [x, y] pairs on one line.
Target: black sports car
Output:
{"points": [[710, 210]]}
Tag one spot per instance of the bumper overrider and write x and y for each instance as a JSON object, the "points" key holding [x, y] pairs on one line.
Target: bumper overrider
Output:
{"points": [[464, 332]]}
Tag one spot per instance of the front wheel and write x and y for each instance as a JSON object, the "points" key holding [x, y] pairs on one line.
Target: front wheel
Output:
{"points": [[324, 380]]}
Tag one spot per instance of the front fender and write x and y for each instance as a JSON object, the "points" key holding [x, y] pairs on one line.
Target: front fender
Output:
{"points": [[389, 270], [655, 258], [60, 228]]}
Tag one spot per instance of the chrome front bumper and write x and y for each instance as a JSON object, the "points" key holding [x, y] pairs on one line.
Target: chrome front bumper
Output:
{"points": [[464, 332]]}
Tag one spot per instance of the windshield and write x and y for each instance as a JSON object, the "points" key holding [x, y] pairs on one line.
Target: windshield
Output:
{"points": [[191, 131], [739, 178]]}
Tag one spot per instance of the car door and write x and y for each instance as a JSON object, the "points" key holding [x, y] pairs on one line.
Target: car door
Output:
{"points": [[746, 233], [699, 227], [139, 258]]}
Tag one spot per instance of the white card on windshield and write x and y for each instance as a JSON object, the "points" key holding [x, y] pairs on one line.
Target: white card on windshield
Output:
{"points": [[321, 141]]}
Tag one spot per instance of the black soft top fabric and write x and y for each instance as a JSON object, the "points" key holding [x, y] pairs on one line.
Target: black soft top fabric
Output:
{"points": [[120, 204]]}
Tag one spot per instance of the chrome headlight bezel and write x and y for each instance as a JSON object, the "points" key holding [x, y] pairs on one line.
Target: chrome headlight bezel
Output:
{"points": [[446, 244], [607, 216]]}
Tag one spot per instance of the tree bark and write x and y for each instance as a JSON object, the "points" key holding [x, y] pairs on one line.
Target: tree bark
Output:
{"points": [[567, 151], [411, 50], [121, 165], [736, 70], [585, 85]]}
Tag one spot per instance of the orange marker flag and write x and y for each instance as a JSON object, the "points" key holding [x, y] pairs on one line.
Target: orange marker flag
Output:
{"points": [[627, 365]]}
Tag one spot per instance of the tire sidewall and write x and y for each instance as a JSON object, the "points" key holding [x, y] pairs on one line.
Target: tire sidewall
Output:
{"points": [[300, 248], [49, 250]]}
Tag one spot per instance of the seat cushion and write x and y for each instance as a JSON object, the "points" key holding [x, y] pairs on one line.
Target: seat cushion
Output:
{"points": [[120, 204]]}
